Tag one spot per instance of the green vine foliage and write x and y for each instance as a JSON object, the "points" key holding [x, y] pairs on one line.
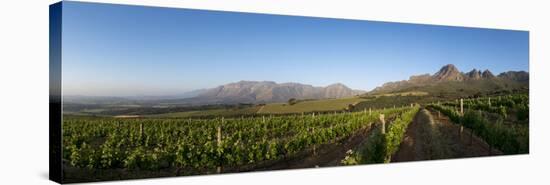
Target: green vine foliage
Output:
{"points": [[508, 138], [380, 147], [156, 143]]}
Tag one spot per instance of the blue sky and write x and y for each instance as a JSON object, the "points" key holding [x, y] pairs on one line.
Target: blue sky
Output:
{"points": [[115, 50]]}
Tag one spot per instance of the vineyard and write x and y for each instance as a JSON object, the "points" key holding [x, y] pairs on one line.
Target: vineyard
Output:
{"points": [[503, 121], [382, 144], [198, 146], [188, 146], [516, 105]]}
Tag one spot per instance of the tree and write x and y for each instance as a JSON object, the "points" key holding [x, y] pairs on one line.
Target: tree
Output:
{"points": [[350, 107], [478, 94], [292, 101]]}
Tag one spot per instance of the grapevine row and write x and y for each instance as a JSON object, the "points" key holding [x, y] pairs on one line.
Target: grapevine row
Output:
{"points": [[510, 139], [203, 144]]}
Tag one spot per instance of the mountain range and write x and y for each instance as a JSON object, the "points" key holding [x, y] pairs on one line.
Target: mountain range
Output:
{"points": [[269, 92], [451, 80], [447, 81]]}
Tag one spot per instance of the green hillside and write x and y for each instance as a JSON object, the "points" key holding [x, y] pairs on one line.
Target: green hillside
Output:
{"points": [[310, 106]]}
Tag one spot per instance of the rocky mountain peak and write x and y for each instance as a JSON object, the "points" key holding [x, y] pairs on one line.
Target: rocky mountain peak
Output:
{"points": [[448, 73], [474, 74], [339, 85], [487, 74], [520, 76]]}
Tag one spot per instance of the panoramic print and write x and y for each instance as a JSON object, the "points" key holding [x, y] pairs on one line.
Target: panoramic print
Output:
{"points": [[162, 92]]}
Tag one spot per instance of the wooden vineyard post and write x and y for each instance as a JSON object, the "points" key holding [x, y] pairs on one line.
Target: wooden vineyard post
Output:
{"points": [[314, 147], [383, 123], [219, 144], [461, 107], [140, 129], [461, 131], [219, 137], [383, 131], [489, 101], [333, 138], [313, 115], [263, 119], [438, 115], [461, 114], [370, 111], [141, 132]]}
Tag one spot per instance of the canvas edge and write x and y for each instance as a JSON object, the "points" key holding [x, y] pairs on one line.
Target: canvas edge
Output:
{"points": [[55, 97]]}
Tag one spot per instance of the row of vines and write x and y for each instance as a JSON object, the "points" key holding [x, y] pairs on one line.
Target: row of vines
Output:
{"points": [[505, 106], [508, 138], [207, 144], [381, 145]]}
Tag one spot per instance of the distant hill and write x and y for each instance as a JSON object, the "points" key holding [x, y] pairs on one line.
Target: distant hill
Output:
{"points": [[106, 100], [114, 100], [268, 92], [449, 80]]}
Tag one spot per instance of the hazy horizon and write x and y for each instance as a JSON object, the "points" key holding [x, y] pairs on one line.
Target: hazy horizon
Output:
{"points": [[118, 50]]}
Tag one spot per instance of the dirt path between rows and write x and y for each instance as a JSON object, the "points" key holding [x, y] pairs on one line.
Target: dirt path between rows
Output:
{"points": [[433, 136]]}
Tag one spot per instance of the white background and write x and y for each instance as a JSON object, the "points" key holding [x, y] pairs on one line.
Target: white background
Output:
{"points": [[24, 91]]}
